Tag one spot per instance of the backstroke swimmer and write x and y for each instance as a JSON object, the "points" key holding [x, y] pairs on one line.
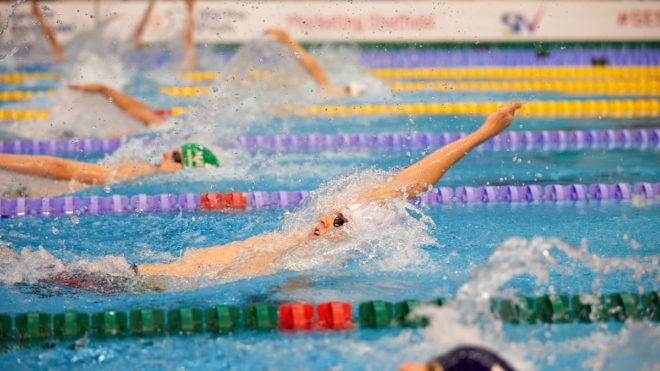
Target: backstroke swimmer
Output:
{"points": [[130, 115], [262, 250], [126, 103], [462, 358], [56, 49], [188, 45], [88, 174], [313, 68]]}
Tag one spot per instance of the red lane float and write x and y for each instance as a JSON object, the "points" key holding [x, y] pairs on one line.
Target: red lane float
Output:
{"points": [[334, 315], [212, 201], [296, 316]]}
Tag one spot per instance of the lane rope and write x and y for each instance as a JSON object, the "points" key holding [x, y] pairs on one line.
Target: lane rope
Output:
{"points": [[446, 73], [544, 140], [70, 325], [590, 108], [73, 206], [644, 87]]}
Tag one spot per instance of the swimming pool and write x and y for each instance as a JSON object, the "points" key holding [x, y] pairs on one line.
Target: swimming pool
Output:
{"points": [[478, 246]]}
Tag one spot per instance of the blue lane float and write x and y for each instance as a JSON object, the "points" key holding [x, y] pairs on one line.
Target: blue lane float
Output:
{"points": [[190, 202], [408, 58], [59, 146], [511, 140]]}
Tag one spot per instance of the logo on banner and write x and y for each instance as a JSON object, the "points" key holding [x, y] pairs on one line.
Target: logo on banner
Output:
{"points": [[518, 23], [639, 18]]}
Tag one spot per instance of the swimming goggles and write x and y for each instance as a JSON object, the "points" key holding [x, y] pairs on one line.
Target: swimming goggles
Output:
{"points": [[176, 157], [339, 220]]}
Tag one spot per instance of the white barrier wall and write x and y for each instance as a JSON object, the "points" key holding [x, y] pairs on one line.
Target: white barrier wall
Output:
{"points": [[372, 21]]}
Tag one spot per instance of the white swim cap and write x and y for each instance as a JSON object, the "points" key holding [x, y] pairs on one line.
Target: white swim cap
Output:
{"points": [[355, 88], [353, 211]]}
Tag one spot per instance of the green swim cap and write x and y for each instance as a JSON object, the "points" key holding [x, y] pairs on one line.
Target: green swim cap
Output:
{"points": [[196, 155]]}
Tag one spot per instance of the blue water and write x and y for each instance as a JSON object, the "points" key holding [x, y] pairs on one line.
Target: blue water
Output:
{"points": [[592, 247]]}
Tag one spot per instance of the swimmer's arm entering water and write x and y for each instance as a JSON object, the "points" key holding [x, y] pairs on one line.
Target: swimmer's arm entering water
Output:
{"points": [[137, 36], [417, 178], [188, 44], [50, 35], [308, 62], [63, 169], [128, 104]]}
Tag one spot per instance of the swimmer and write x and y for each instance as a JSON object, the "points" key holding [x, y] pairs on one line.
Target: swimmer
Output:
{"points": [[50, 35], [56, 168], [128, 104], [262, 250], [188, 45], [460, 359], [313, 68]]}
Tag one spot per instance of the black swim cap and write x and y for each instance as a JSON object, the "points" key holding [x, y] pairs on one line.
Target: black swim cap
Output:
{"points": [[469, 358]]}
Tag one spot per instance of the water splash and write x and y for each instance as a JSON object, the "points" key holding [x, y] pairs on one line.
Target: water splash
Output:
{"points": [[469, 320], [30, 266], [363, 240]]}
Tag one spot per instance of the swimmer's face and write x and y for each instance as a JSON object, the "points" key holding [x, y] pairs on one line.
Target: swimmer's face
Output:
{"points": [[327, 222], [354, 89], [171, 161]]}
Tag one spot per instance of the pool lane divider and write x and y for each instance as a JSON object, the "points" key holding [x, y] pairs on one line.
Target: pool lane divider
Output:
{"points": [[509, 140], [43, 114], [547, 140], [439, 71], [72, 206], [592, 108], [22, 77], [521, 72], [641, 87], [326, 316], [588, 87], [536, 73]]}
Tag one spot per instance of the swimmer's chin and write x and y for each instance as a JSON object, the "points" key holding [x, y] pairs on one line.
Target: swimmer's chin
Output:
{"points": [[168, 168]]}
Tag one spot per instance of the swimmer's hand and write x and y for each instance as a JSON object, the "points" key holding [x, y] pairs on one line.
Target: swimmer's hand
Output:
{"points": [[500, 119], [89, 88], [278, 34]]}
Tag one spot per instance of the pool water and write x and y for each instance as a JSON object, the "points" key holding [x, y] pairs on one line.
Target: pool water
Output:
{"points": [[468, 252]]}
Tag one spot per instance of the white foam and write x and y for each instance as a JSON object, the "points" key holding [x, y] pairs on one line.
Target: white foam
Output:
{"points": [[33, 265], [469, 320]]}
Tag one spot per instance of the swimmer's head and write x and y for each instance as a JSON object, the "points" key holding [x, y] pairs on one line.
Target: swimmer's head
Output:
{"points": [[351, 212], [196, 155], [354, 89], [188, 155], [328, 222]]}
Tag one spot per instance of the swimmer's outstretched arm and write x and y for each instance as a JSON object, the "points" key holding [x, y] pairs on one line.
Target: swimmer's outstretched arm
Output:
{"points": [[191, 56], [220, 259], [308, 62], [420, 176], [50, 35], [188, 45], [137, 37], [62, 169], [128, 104]]}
